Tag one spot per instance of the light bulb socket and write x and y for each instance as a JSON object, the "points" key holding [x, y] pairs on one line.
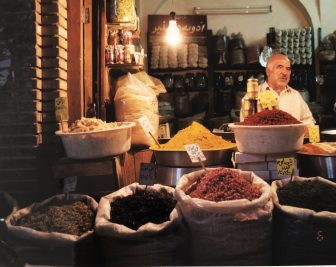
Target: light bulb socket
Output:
{"points": [[172, 16]]}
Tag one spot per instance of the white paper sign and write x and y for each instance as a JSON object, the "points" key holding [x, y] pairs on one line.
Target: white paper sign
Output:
{"points": [[285, 166], [195, 153], [70, 184], [61, 108], [147, 174], [146, 125]]}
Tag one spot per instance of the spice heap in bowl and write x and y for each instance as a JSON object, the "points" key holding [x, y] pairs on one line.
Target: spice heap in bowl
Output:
{"points": [[269, 132], [173, 153]]}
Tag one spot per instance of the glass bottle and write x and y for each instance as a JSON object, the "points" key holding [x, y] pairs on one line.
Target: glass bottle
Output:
{"points": [[250, 103]]}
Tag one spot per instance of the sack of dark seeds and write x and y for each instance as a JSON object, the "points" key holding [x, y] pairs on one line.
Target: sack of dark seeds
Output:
{"points": [[139, 225], [56, 231], [304, 221]]}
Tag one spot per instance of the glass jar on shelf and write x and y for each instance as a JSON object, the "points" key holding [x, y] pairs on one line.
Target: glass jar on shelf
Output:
{"points": [[189, 81], [178, 81], [201, 81], [168, 81]]}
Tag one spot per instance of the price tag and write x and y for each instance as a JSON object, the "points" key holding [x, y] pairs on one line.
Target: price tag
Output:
{"points": [[61, 108], [195, 153], [285, 166], [70, 184], [267, 100], [146, 125], [147, 174], [314, 133]]}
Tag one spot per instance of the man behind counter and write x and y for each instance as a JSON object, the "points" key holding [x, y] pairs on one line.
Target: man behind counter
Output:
{"points": [[278, 71]]}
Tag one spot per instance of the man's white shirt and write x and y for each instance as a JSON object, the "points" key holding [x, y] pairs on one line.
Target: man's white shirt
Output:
{"points": [[291, 101]]}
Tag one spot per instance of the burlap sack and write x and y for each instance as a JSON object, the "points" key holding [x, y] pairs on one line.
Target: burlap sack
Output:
{"points": [[236, 232], [42, 248], [151, 244], [302, 236]]}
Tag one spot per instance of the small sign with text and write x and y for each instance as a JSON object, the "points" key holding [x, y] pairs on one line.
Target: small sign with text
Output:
{"points": [[267, 100], [70, 184], [147, 174], [146, 125], [61, 108], [195, 153], [314, 133], [285, 166]]}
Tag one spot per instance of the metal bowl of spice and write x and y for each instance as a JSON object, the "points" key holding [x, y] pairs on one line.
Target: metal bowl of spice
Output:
{"points": [[180, 158], [173, 154], [317, 159]]}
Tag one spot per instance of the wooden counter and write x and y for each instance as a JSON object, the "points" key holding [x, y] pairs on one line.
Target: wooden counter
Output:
{"points": [[111, 172]]}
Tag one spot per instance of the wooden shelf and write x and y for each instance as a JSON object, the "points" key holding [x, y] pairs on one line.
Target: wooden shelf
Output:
{"points": [[169, 70], [124, 66], [255, 66]]}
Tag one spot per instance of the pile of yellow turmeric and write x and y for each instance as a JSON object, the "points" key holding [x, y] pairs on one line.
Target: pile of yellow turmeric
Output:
{"points": [[196, 133]]}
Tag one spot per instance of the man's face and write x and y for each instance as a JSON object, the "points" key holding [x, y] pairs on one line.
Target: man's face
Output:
{"points": [[278, 73]]}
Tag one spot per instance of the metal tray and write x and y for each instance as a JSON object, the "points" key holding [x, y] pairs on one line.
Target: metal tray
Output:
{"points": [[180, 158]]}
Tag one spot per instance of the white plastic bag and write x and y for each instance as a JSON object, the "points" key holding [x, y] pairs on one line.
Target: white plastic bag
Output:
{"points": [[152, 82], [133, 100]]}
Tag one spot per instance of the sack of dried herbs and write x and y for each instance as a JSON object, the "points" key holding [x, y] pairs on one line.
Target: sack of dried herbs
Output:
{"points": [[139, 225], [229, 214], [55, 231], [304, 221]]}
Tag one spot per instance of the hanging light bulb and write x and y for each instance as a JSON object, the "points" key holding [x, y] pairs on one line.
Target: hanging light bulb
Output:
{"points": [[173, 36]]}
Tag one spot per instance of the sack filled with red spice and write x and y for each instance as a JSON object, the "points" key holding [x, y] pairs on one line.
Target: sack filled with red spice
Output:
{"points": [[270, 117], [223, 184], [228, 213]]}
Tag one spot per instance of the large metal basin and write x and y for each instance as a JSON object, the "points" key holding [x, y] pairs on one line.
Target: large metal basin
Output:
{"points": [[328, 135], [323, 165], [180, 158]]}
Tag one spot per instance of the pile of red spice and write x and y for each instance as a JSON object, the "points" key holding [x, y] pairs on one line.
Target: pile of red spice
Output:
{"points": [[223, 184], [270, 117]]}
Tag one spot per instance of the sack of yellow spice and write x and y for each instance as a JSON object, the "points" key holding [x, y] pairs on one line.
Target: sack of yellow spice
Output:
{"points": [[196, 133]]}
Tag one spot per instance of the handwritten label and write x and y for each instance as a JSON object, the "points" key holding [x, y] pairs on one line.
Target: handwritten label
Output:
{"points": [[314, 133], [70, 184], [147, 174], [195, 153], [267, 100], [285, 166], [146, 125], [61, 108]]}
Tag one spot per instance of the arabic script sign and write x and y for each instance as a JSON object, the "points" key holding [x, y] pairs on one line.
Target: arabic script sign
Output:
{"points": [[193, 25]]}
